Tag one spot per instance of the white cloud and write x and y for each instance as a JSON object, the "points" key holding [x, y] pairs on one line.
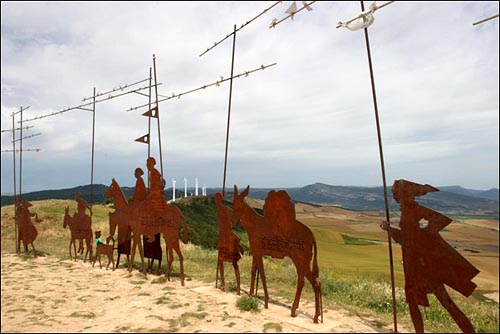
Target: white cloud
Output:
{"points": [[308, 119]]}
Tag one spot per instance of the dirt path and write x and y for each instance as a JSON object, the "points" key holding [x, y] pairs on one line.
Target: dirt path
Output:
{"points": [[50, 295]]}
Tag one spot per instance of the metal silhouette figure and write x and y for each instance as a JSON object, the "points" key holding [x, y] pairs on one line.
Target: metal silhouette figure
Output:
{"points": [[230, 249], [146, 219], [104, 248], [27, 231], [81, 231], [152, 247], [82, 206], [429, 261], [278, 234], [124, 238], [124, 231]]}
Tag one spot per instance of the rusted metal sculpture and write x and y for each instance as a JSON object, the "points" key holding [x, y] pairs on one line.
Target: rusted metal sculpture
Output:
{"points": [[27, 231], [148, 218], [429, 261], [152, 251], [80, 230], [124, 240], [230, 249], [104, 248], [279, 234], [152, 248]]}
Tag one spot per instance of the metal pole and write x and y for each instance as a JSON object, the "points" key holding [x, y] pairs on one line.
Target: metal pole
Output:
{"points": [[14, 156], [92, 163], [149, 120], [484, 20], [229, 113], [383, 172], [158, 115], [21, 157]]}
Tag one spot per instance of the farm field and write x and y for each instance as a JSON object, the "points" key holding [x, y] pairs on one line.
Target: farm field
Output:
{"points": [[353, 260]]}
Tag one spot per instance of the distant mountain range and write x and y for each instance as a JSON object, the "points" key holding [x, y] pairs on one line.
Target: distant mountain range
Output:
{"points": [[452, 200]]}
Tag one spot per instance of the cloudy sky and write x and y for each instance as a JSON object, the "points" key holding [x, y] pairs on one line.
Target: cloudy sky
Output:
{"points": [[308, 119]]}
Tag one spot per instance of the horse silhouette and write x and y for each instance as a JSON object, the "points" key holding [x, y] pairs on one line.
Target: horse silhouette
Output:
{"points": [[81, 231], [144, 220], [279, 239]]}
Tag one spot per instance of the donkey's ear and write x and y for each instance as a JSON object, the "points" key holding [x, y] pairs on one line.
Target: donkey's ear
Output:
{"points": [[245, 192], [235, 190]]}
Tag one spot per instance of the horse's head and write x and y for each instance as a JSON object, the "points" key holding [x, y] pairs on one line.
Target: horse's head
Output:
{"points": [[238, 204], [111, 189]]}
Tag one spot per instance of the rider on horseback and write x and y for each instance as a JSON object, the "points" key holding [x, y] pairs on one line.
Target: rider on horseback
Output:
{"points": [[156, 193]]}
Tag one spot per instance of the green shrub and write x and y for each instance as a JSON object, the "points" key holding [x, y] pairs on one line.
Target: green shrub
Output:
{"points": [[248, 303]]}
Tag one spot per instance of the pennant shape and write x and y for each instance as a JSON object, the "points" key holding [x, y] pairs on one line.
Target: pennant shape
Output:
{"points": [[306, 6], [152, 112], [144, 139], [292, 9]]}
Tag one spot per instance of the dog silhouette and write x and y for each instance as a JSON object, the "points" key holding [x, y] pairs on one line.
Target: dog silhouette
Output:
{"points": [[106, 249]]}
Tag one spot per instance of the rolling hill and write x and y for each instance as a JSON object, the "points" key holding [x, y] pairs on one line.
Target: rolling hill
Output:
{"points": [[453, 200]]}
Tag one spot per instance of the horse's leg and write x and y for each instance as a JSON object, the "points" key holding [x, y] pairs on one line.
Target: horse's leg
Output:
{"points": [[34, 250], [70, 256], [263, 279], [132, 255], [86, 252], [221, 272], [237, 274], [181, 261], [141, 253], [118, 260], [73, 241], [80, 246], [170, 259], [252, 279], [159, 267], [300, 285], [89, 250], [316, 285]]}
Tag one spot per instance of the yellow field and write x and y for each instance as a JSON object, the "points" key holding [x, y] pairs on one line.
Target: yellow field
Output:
{"points": [[476, 239]]}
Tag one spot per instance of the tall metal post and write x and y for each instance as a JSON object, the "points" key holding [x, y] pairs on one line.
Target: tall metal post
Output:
{"points": [[158, 114], [14, 159], [92, 162], [229, 113], [149, 121], [21, 156], [383, 171]]}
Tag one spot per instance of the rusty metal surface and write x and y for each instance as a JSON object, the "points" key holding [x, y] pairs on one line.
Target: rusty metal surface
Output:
{"points": [[27, 231], [81, 230], [152, 251], [124, 241], [429, 261], [279, 234], [149, 217], [230, 249]]}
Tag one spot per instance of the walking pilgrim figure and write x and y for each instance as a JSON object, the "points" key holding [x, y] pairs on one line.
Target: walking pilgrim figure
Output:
{"points": [[429, 261], [151, 245]]}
